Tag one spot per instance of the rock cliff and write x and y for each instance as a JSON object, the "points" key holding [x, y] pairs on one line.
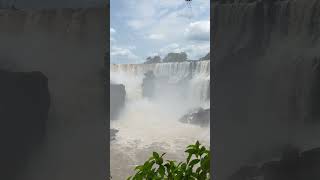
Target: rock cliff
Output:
{"points": [[68, 46], [24, 108], [266, 76]]}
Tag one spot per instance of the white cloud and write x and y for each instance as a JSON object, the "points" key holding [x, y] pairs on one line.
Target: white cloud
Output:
{"points": [[138, 14], [123, 55], [167, 17], [171, 26], [198, 31], [163, 23], [174, 47], [163, 12], [194, 51], [112, 31], [139, 24], [169, 3], [156, 36]]}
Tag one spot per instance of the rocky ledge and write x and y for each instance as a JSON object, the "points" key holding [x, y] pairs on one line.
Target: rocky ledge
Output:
{"points": [[197, 116], [292, 166]]}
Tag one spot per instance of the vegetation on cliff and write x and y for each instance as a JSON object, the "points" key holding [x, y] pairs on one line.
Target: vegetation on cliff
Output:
{"points": [[151, 60]]}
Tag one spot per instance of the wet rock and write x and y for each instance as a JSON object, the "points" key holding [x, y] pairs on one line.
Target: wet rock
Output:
{"points": [[148, 85], [117, 100], [113, 133], [292, 166], [197, 116]]}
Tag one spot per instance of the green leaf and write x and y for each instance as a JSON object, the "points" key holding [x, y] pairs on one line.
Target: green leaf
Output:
{"points": [[159, 161], [198, 170], [191, 151], [161, 170], [155, 155], [172, 171], [183, 166], [189, 157], [138, 168], [197, 144], [194, 162], [202, 150]]}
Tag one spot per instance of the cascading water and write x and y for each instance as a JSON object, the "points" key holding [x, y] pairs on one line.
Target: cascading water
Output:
{"points": [[196, 74], [147, 125]]}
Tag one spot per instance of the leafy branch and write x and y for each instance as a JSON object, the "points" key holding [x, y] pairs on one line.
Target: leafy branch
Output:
{"points": [[196, 166]]}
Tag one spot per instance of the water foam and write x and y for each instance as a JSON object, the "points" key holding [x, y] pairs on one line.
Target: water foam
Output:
{"points": [[147, 125]]}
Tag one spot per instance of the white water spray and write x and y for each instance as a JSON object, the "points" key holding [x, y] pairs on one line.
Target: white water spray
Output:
{"points": [[147, 125]]}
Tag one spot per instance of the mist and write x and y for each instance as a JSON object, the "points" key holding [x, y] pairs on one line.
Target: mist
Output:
{"points": [[148, 124]]}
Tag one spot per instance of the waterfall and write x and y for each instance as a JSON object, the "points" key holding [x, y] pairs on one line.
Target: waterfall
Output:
{"points": [[152, 124], [196, 76]]}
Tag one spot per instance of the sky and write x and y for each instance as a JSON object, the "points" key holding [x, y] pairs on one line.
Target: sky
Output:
{"points": [[143, 28]]}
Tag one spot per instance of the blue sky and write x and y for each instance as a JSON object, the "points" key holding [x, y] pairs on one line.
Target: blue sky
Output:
{"points": [[142, 28]]}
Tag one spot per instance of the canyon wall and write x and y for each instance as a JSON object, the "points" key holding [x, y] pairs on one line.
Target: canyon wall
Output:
{"points": [[24, 108], [68, 47], [266, 80]]}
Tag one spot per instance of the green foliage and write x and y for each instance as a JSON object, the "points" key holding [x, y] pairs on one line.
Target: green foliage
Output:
{"points": [[196, 166], [175, 57], [151, 60]]}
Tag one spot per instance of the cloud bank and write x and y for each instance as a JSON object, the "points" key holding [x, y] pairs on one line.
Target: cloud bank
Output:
{"points": [[159, 27]]}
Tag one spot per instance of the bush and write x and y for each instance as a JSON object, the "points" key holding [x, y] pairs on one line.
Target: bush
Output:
{"points": [[176, 57], [196, 166], [151, 60]]}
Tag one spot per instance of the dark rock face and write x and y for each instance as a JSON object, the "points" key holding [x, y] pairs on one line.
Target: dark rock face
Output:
{"points": [[24, 107], [266, 75], [113, 133], [314, 112], [206, 57], [68, 45], [148, 84], [292, 166], [197, 116], [245, 173], [117, 100]]}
